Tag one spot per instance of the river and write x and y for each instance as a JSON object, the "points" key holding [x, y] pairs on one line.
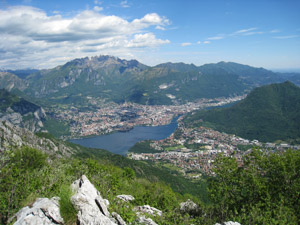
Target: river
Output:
{"points": [[121, 142]]}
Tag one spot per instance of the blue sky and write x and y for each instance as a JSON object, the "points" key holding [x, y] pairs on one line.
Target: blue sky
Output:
{"points": [[44, 34]]}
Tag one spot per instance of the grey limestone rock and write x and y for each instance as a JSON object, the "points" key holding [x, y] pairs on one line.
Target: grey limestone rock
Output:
{"points": [[44, 211], [229, 223], [147, 221], [118, 218], [148, 209], [188, 207], [91, 207], [125, 198]]}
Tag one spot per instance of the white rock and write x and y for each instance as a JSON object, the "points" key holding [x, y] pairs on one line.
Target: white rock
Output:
{"points": [[188, 206], [126, 198], [44, 211], [229, 223], [118, 218], [148, 209], [147, 221], [90, 205]]}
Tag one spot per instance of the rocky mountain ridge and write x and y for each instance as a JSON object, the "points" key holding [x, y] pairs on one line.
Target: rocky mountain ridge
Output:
{"points": [[21, 112], [122, 80], [14, 137]]}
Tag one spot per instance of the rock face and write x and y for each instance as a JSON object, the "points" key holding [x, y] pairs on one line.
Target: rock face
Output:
{"points": [[21, 112], [91, 207], [10, 81], [44, 211], [15, 137]]}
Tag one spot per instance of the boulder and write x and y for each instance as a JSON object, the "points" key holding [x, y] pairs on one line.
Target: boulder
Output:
{"points": [[44, 211], [125, 198], [188, 207], [147, 221], [148, 209], [118, 218], [91, 207], [229, 223]]}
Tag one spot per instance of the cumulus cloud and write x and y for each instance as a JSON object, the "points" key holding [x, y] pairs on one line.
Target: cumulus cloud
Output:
{"points": [[33, 37], [186, 44]]}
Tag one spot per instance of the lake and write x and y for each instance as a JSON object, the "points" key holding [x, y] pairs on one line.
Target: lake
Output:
{"points": [[121, 142]]}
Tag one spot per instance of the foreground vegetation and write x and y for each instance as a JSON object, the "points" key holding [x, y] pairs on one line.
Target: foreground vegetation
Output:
{"points": [[264, 191]]}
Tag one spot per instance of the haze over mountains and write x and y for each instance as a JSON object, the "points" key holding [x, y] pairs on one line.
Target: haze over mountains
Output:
{"points": [[122, 80]]}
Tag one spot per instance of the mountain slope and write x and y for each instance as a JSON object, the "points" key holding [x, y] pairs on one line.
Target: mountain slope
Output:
{"points": [[121, 80], [10, 81], [268, 113], [21, 112]]}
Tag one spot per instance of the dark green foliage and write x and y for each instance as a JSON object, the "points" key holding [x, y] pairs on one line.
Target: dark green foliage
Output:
{"points": [[19, 170], [264, 191], [56, 128], [66, 207], [268, 113], [18, 104], [143, 147]]}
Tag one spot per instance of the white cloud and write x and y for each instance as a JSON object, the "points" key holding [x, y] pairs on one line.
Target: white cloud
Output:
{"points": [[98, 9], [286, 37], [30, 37], [216, 38], [97, 2], [244, 31], [206, 42], [275, 31], [124, 4], [186, 44], [198, 42], [160, 28], [252, 33]]}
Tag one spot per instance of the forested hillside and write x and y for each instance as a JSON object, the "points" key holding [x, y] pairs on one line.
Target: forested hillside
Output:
{"points": [[268, 113]]}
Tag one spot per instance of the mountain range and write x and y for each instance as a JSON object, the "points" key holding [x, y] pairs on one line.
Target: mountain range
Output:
{"points": [[121, 80], [268, 113]]}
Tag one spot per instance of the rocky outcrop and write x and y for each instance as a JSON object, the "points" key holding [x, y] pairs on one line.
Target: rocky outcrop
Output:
{"points": [[44, 211], [188, 207], [10, 81], [15, 137], [228, 223], [125, 198], [148, 209], [91, 207], [21, 112], [146, 221]]}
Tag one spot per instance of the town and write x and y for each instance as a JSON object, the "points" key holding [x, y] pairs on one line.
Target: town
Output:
{"points": [[110, 117], [192, 151]]}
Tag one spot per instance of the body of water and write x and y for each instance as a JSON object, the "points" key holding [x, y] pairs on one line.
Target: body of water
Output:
{"points": [[121, 142]]}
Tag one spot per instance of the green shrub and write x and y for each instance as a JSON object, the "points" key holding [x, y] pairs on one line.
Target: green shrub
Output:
{"points": [[67, 209]]}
